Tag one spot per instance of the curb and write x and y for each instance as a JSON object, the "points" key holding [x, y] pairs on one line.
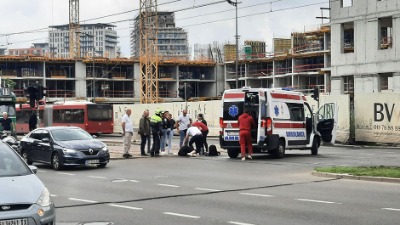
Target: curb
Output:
{"points": [[352, 177]]}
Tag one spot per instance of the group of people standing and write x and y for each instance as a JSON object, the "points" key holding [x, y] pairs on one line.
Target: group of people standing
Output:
{"points": [[160, 127]]}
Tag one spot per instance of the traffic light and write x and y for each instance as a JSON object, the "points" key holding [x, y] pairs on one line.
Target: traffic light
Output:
{"points": [[315, 93], [181, 91]]}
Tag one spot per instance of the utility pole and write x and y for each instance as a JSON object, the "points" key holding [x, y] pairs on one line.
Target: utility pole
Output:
{"points": [[93, 71], [237, 41]]}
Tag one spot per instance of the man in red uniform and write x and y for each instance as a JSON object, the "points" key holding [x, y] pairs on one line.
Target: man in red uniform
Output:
{"points": [[246, 124]]}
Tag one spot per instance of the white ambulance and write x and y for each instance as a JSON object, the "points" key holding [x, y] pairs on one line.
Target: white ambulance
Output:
{"points": [[284, 120]]}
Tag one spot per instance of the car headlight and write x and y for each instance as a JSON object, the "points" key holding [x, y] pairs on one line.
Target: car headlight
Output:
{"points": [[68, 151], [45, 199], [105, 149]]}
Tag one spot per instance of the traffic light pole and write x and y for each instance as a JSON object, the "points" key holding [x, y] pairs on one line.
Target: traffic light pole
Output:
{"points": [[185, 96]]}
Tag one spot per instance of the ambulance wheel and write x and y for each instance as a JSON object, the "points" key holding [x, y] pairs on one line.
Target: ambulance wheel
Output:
{"points": [[280, 152], [315, 146], [233, 153]]}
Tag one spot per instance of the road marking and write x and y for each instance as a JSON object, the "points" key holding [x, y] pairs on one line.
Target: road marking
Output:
{"points": [[181, 215], [317, 201], [239, 223], [119, 180], [53, 195], [168, 185], [97, 177], [134, 181], [391, 209], [69, 174], [82, 200], [258, 195], [125, 207], [206, 189]]}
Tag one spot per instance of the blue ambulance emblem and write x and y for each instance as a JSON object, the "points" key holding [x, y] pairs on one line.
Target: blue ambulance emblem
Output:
{"points": [[233, 111]]}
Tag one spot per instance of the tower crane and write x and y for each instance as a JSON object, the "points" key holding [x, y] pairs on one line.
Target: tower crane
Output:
{"points": [[148, 51], [74, 39]]}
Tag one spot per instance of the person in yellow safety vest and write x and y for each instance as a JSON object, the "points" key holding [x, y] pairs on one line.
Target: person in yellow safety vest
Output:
{"points": [[156, 129]]}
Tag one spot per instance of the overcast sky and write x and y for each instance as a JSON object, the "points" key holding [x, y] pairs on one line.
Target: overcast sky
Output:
{"points": [[260, 19]]}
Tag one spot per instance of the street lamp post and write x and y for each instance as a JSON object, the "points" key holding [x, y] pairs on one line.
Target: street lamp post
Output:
{"points": [[237, 41], [93, 70]]}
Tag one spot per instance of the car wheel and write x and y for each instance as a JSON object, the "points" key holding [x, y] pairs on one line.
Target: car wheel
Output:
{"points": [[233, 153], [102, 165], [315, 146], [24, 155], [56, 162], [280, 152]]}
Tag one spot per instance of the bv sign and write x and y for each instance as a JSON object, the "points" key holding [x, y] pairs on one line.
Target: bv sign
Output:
{"points": [[377, 119]]}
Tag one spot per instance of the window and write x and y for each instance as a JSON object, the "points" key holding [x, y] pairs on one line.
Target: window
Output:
{"points": [[385, 32], [68, 116], [385, 81], [346, 3], [348, 84], [296, 111], [348, 37]]}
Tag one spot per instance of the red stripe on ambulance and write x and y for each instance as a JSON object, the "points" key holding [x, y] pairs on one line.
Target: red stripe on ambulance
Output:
{"points": [[234, 95], [285, 96], [289, 125]]}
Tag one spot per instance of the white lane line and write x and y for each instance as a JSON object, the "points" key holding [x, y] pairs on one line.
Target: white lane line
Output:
{"points": [[53, 195], [134, 181], [68, 174], [97, 177], [317, 201], [207, 189], [391, 209], [257, 195], [125, 207], [239, 223], [181, 215], [168, 185], [82, 200]]}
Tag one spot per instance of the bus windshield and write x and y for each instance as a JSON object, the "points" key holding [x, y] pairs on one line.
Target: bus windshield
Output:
{"points": [[99, 112], [9, 109]]}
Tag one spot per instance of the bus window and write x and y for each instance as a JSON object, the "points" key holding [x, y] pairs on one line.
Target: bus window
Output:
{"points": [[9, 109], [99, 112], [68, 116]]}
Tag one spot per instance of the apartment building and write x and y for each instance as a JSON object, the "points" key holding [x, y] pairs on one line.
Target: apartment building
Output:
{"points": [[172, 40], [99, 39], [364, 46]]}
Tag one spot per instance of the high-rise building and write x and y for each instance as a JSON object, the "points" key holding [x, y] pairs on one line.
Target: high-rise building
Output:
{"points": [[100, 39], [172, 40]]}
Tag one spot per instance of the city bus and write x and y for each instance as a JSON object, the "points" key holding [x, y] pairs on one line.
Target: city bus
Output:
{"points": [[94, 118], [7, 104]]}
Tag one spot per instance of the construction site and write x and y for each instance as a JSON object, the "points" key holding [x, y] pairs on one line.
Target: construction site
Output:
{"points": [[160, 63]]}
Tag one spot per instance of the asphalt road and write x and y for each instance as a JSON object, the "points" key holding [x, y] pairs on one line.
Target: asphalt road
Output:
{"points": [[218, 190]]}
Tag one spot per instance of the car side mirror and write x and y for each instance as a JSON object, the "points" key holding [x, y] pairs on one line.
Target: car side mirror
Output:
{"points": [[34, 169], [46, 140]]}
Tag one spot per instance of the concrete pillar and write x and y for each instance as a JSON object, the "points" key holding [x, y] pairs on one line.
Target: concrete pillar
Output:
{"points": [[136, 84], [337, 86], [80, 80]]}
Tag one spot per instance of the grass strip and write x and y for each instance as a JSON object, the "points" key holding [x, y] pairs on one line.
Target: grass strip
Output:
{"points": [[373, 171]]}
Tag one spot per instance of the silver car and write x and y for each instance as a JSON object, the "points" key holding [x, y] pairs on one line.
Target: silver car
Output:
{"points": [[23, 197]]}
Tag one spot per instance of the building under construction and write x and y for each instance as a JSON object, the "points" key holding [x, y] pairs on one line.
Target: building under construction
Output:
{"points": [[100, 40], [172, 40]]}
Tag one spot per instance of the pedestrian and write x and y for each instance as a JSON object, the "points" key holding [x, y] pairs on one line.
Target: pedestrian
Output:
{"points": [[197, 138], [201, 123], [33, 121], [144, 131], [182, 125], [7, 124], [156, 130], [127, 133], [246, 124], [170, 132], [164, 125]]}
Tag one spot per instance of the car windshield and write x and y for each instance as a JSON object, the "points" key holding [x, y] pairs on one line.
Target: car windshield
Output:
{"points": [[11, 164], [70, 134]]}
